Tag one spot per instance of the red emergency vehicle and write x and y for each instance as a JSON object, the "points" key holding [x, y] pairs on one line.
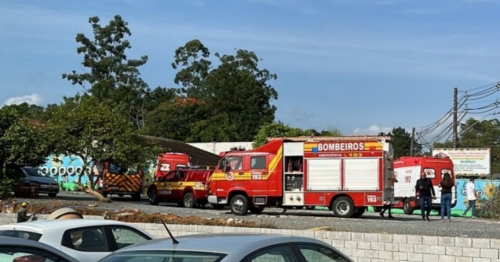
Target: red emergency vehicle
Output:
{"points": [[407, 171], [184, 186], [129, 181], [345, 174], [170, 161]]}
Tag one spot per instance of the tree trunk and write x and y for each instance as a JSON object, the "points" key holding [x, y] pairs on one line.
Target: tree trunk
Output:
{"points": [[88, 188], [95, 194]]}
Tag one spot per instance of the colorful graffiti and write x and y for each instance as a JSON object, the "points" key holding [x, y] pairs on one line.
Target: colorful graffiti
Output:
{"points": [[484, 188], [65, 170]]}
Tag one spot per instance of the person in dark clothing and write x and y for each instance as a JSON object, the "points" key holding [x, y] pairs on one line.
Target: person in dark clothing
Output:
{"points": [[446, 185], [426, 193], [22, 215], [387, 206]]}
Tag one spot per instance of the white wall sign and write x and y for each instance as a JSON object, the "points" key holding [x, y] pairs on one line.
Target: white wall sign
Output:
{"points": [[467, 161]]}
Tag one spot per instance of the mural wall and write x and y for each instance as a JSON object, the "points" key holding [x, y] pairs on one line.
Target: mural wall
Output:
{"points": [[65, 170], [484, 188]]}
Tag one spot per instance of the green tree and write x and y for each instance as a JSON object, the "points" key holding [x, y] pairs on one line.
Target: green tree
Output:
{"points": [[194, 66], [482, 134], [22, 142], [236, 94], [333, 131], [111, 76], [174, 119], [97, 133], [276, 129], [401, 142]]}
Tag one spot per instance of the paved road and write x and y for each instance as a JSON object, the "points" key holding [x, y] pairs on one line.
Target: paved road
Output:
{"points": [[307, 219]]}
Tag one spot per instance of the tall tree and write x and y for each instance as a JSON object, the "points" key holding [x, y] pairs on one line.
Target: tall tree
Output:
{"points": [[111, 76], [97, 132], [401, 142], [236, 94], [194, 66]]}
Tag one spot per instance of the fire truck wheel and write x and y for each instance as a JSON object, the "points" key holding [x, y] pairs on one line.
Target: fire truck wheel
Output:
{"points": [[359, 212], [217, 207], [152, 199], [239, 205], [343, 207], [189, 200], [407, 209], [256, 209]]}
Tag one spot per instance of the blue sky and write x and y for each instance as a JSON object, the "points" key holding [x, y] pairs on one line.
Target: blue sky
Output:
{"points": [[363, 66]]}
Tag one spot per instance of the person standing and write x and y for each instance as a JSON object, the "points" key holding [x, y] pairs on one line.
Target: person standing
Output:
{"points": [[446, 185], [471, 198], [22, 213], [387, 205], [426, 193]]}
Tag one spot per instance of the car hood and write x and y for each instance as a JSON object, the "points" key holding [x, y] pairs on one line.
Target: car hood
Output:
{"points": [[42, 180]]}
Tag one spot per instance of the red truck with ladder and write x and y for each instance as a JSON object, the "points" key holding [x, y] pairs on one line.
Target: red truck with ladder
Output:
{"points": [[345, 174]]}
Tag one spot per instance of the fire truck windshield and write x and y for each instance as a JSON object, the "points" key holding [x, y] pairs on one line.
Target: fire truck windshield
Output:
{"points": [[231, 163]]}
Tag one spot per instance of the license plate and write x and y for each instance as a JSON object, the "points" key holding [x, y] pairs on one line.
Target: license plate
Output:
{"points": [[164, 192], [114, 187]]}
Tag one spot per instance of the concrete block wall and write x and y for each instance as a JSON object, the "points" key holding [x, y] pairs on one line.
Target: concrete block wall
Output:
{"points": [[369, 247]]}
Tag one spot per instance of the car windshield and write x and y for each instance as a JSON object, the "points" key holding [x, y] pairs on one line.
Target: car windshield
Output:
{"points": [[164, 256], [34, 172]]}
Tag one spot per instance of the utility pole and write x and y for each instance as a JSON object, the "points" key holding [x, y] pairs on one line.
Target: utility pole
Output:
{"points": [[412, 141], [455, 117]]}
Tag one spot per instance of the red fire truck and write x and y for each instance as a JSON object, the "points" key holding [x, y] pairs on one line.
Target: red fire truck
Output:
{"points": [[345, 174]]}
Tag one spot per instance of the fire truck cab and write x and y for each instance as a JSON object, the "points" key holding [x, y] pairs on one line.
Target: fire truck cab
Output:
{"points": [[407, 171], [345, 174]]}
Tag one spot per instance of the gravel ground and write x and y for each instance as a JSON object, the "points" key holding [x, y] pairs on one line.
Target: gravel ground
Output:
{"points": [[306, 219]]}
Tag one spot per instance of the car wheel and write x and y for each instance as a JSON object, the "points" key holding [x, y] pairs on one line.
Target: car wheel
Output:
{"points": [[343, 207], [189, 201], [52, 194], [407, 209], [152, 199], [239, 205]]}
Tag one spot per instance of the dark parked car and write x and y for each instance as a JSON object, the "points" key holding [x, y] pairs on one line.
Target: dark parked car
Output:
{"points": [[32, 177]]}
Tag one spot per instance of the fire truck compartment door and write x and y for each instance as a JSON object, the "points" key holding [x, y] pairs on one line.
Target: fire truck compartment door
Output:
{"points": [[293, 199], [361, 174], [323, 174]]}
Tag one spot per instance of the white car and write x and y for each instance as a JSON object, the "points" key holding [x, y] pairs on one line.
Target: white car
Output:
{"points": [[87, 240]]}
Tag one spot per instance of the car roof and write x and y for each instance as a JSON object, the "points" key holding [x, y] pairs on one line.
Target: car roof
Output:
{"points": [[219, 243], [13, 241], [41, 225]]}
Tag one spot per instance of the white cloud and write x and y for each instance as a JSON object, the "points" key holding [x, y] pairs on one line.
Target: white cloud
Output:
{"points": [[34, 99], [371, 130]]}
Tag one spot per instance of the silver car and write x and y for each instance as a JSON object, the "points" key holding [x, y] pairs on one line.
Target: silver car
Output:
{"points": [[230, 248], [17, 249]]}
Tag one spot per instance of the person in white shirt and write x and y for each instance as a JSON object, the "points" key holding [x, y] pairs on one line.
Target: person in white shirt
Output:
{"points": [[471, 197]]}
